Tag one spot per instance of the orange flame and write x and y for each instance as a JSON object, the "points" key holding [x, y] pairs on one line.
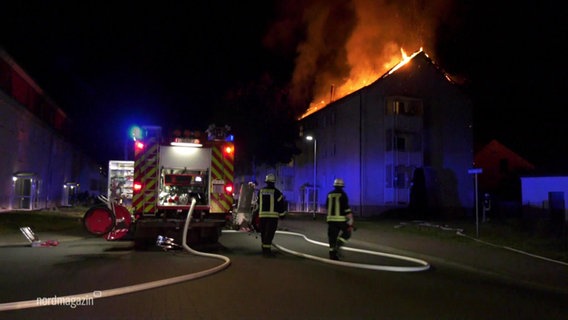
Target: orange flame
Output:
{"points": [[359, 80]]}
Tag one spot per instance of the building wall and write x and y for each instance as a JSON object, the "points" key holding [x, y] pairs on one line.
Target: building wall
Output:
{"points": [[31, 147], [545, 198], [353, 143], [34, 147], [536, 190]]}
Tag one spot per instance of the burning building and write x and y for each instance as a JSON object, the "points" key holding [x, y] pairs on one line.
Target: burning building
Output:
{"points": [[404, 140]]}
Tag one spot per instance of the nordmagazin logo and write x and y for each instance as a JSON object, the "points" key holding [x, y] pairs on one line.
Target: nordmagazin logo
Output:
{"points": [[70, 301]]}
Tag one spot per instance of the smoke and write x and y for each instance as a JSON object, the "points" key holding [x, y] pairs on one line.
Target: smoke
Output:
{"points": [[345, 45]]}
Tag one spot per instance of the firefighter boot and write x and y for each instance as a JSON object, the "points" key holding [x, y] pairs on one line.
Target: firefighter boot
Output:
{"points": [[338, 247], [333, 255], [267, 252]]}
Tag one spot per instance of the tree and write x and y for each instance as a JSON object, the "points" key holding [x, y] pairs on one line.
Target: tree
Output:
{"points": [[264, 124]]}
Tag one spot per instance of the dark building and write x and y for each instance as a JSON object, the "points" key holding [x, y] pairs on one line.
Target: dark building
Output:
{"points": [[39, 168]]}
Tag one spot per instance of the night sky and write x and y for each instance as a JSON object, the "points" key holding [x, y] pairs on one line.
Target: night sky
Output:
{"points": [[110, 64]]}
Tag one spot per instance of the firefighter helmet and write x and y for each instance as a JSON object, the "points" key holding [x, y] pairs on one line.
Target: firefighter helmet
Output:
{"points": [[270, 178], [338, 183]]}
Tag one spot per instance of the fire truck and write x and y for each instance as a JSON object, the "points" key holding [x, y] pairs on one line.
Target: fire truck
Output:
{"points": [[169, 173]]}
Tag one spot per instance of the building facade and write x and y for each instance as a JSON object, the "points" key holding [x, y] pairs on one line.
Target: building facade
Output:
{"points": [[40, 168], [405, 140]]}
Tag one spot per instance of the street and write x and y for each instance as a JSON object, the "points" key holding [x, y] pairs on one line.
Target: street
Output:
{"points": [[285, 287]]}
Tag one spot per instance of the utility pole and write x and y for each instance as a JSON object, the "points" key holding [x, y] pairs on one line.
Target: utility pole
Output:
{"points": [[475, 172]]}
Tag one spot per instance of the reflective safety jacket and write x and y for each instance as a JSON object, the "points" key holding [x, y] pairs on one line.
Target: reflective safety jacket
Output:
{"points": [[270, 202], [337, 204]]}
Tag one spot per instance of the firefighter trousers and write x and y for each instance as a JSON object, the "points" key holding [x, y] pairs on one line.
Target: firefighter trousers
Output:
{"points": [[337, 233], [268, 228]]}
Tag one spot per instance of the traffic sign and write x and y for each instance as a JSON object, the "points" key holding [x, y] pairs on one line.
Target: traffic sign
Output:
{"points": [[475, 171]]}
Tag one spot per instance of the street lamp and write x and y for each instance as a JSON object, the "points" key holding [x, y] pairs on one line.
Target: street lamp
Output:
{"points": [[310, 138]]}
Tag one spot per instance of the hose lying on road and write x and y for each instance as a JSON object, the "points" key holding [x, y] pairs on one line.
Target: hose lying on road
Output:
{"points": [[422, 265], [133, 288]]}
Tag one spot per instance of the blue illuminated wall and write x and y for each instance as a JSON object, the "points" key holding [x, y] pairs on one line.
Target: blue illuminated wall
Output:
{"points": [[536, 190], [38, 159]]}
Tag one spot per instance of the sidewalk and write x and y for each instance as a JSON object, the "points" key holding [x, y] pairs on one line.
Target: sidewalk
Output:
{"points": [[514, 267]]}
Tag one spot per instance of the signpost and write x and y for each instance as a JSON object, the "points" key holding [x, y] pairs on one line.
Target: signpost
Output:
{"points": [[475, 172]]}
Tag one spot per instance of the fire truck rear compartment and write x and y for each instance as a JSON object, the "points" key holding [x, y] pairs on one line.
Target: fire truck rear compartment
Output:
{"points": [[201, 234]]}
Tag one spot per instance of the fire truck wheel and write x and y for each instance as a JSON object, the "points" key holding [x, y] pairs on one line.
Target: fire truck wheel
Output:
{"points": [[99, 220]]}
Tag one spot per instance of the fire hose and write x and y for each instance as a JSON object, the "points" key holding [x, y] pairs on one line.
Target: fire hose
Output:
{"points": [[422, 266], [137, 287]]}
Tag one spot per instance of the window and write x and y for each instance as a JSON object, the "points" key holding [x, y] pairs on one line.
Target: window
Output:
{"points": [[404, 106], [400, 178], [403, 141]]}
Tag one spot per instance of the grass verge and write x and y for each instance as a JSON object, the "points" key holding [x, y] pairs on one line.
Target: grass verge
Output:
{"points": [[509, 234], [68, 220]]}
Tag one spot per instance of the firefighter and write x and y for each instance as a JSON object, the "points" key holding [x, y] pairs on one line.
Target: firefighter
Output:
{"points": [[270, 206], [339, 218]]}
